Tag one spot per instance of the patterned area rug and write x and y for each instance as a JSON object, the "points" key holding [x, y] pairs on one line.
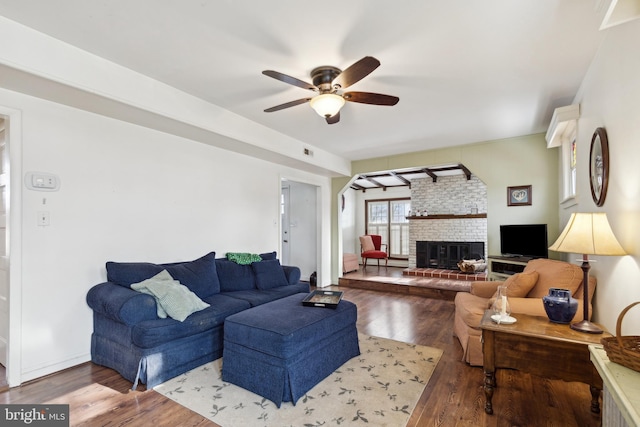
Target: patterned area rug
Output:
{"points": [[378, 388]]}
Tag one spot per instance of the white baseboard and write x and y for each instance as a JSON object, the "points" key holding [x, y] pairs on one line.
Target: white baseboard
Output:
{"points": [[37, 372]]}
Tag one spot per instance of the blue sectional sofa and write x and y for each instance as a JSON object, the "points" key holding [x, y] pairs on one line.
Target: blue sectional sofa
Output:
{"points": [[130, 337]]}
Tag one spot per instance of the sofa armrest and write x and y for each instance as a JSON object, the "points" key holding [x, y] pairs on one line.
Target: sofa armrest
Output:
{"points": [[121, 304], [485, 289], [292, 274]]}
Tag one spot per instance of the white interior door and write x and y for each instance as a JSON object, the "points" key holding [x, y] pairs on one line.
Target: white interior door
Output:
{"points": [[302, 227]]}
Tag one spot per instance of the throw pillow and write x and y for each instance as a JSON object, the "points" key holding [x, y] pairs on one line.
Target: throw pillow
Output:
{"points": [[172, 298], [199, 276], [367, 244], [268, 255], [269, 274], [234, 277], [519, 285]]}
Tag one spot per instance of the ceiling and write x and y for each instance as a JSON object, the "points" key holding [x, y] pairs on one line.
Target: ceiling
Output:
{"points": [[465, 71]]}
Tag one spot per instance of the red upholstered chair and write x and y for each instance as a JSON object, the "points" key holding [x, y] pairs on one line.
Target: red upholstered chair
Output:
{"points": [[371, 247]]}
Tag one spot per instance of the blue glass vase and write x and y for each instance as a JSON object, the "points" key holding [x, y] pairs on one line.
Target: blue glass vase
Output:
{"points": [[560, 305]]}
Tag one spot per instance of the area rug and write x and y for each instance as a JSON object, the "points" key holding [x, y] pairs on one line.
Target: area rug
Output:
{"points": [[381, 387]]}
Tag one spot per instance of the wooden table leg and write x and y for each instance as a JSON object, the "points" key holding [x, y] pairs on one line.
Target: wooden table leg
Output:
{"points": [[595, 402], [489, 384], [489, 366]]}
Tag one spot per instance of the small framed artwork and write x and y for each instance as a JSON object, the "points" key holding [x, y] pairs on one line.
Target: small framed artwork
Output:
{"points": [[519, 196]]}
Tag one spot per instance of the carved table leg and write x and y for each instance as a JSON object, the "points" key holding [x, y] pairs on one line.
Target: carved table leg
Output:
{"points": [[595, 402], [489, 385], [489, 366]]}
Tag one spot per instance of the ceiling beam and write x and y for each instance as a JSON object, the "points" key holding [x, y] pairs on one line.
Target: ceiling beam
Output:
{"points": [[466, 171], [401, 178], [429, 172], [374, 182]]}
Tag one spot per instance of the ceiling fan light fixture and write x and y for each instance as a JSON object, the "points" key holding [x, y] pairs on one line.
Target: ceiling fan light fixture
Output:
{"points": [[327, 104]]}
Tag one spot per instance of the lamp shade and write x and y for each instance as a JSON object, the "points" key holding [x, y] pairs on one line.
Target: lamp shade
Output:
{"points": [[327, 104], [588, 233]]}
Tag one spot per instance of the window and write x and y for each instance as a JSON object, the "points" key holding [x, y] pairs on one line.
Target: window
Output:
{"points": [[572, 167], [388, 219], [569, 170]]}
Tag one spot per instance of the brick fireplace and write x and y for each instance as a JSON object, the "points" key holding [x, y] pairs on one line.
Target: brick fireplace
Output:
{"points": [[456, 209]]}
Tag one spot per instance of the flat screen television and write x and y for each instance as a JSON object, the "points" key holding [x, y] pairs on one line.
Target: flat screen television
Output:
{"points": [[525, 240]]}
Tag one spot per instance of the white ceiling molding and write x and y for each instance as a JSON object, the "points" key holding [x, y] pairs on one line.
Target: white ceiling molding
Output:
{"points": [[619, 12], [563, 124]]}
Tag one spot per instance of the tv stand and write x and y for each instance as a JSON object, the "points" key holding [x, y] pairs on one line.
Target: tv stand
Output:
{"points": [[501, 267]]}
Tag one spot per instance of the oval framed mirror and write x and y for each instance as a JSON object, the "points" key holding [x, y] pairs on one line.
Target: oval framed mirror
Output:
{"points": [[599, 166]]}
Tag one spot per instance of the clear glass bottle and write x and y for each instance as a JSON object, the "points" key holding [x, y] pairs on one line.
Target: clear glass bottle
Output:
{"points": [[501, 308]]}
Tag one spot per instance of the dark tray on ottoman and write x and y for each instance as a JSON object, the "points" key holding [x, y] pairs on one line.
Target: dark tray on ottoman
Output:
{"points": [[329, 299]]}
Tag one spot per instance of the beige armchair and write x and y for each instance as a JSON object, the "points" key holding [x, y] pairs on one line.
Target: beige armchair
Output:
{"points": [[525, 291]]}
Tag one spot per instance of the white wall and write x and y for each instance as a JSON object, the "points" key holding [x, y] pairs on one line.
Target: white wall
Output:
{"points": [[610, 97], [127, 193]]}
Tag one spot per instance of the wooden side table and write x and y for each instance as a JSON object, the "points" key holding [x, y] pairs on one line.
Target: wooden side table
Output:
{"points": [[539, 347]]}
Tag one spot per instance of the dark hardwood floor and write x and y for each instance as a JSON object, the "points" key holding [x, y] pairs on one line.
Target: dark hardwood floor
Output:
{"points": [[453, 397]]}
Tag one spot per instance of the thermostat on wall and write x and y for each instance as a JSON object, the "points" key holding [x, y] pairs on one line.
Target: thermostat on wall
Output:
{"points": [[41, 181]]}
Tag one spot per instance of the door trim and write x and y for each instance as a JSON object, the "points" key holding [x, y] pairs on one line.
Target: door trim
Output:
{"points": [[13, 133]]}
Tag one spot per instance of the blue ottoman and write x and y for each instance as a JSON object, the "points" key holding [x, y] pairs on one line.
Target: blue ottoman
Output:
{"points": [[281, 349]]}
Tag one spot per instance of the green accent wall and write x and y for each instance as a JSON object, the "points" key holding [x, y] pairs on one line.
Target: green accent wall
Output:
{"points": [[499, 164]]}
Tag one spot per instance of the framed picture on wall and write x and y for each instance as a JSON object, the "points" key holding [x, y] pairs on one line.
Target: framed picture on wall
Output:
{"points": [[519, 195]]}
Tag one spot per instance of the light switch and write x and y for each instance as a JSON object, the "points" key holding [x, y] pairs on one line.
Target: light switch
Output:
{"points": [[43, 218]]}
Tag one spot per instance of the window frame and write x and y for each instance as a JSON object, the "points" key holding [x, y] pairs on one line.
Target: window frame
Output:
{"points": [[387, 238]]}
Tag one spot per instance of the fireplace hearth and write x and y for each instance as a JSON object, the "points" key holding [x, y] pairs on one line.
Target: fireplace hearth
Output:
{"points": [[446, 255]]}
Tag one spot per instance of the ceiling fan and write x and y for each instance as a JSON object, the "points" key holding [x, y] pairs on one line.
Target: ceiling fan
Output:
{"points": [[329, 82]]}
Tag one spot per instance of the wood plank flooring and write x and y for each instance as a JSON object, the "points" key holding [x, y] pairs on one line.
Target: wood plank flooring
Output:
{"points": [[454, 396]]}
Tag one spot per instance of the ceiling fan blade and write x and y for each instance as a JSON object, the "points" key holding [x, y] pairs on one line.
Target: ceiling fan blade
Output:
{"points": [[290, 80], [371, 98], [356, 72], [333, 119], [287, 105]]}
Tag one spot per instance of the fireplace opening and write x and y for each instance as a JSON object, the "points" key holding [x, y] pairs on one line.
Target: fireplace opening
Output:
{"points": [[446, 255]]}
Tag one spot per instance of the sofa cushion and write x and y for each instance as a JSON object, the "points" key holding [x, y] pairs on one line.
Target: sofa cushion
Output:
{"points": [[172, 298], [234, 277], [269, 274], [292, 274], [257, 297], [554, 274], [199, 275], [127, 273], [152, 333], [520, 284], [268, 256]]}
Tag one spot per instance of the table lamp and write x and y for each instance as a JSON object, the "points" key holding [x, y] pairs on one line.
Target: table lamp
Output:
{"points": [[587, 234]]}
